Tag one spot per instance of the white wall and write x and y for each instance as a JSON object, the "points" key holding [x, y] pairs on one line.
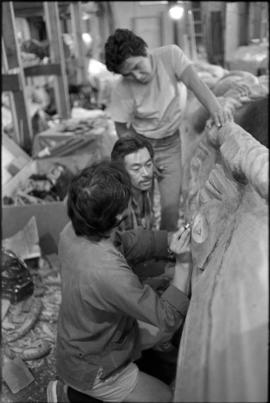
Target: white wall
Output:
{"points": [[149, 21]]}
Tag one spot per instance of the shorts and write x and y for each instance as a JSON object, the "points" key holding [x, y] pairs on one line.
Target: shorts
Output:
{"points": [[117, 387]]}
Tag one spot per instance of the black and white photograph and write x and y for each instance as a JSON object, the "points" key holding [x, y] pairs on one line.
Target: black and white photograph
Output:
{"points": [[134, 202]]}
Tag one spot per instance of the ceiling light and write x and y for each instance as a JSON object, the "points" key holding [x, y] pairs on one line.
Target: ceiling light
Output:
{"points": [[87, 38], [176, 12], [85, 16]]}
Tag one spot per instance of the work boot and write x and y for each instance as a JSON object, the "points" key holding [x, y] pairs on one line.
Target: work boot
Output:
{"points": [[57, 392]]}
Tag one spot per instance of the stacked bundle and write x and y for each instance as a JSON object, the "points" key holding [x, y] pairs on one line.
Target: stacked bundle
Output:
{"points": [[71, 136]]}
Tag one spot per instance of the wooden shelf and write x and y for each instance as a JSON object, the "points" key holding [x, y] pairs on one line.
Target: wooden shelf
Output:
{"points": [[11, 82], [15, 73], [43, 70]]}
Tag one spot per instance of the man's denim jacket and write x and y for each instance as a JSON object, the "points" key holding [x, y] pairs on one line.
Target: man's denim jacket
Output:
{"points": [[102, 299]]}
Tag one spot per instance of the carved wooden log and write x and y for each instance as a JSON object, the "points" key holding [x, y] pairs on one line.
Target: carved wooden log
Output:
{"points": [[233, 90], [223, 353], [244, 156], [230, 80]]}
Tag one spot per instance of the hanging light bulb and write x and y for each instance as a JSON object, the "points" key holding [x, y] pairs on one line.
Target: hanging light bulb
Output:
{"points": [[85, 16], [87, 38], [176, 11]]}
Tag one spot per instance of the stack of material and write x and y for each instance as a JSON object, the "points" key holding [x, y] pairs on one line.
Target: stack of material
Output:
{"points": [[253, 58], [72, 144], [74, 135], [37, 101], [42, 188], [209, 73]]}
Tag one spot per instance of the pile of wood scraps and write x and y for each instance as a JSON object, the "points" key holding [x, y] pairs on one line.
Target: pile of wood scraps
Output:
{"points": [[42, 188], [29, 327]]}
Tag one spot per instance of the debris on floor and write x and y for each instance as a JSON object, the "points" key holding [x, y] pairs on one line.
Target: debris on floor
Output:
{"points": [[29, 334]]}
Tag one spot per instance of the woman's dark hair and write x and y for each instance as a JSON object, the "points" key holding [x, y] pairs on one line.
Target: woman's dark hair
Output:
{"points": [[122, 45], [96, 195], [128, 145]]}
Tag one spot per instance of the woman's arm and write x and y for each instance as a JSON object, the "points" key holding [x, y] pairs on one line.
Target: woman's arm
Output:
{"points": [[219, 115]]}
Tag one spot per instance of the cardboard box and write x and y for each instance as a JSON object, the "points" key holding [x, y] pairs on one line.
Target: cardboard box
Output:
{"points": [[51, 217]]}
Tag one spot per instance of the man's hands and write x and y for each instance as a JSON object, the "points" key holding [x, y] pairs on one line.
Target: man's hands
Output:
{"points": [[179, 241], [220, 117]]}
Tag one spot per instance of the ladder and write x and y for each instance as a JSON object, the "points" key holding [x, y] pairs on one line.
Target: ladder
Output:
{"points": [[196, 11]]}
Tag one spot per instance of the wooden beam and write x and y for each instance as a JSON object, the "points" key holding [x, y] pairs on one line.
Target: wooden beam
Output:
{"points": [[11, 82], [12, 60], [29, 12], [27, 5], [16, 133], [9, 36], [191, 35], [34, 9], [57, 56], [217, 34], [76, 23], [43, 70]]}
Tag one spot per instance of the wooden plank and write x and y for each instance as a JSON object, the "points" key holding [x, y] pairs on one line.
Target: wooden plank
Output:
{"points": [[5, 304], [33, 9], [15, 159], [57, 56], [12, 60], [43, 70], [11, 82], [76, 23], [217, 38], [16, 131], [27, 6], [9, 37], [33, 12], [242, 26], [25, 128], [191, 34]]}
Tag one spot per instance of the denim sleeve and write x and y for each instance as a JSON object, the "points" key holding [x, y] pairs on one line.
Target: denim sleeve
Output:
{"points": [[122, 291], [138, 245]]}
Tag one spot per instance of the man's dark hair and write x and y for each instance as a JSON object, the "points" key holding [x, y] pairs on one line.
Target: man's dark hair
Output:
{"points": [[122, 45], [128, 145], [96, 195]]}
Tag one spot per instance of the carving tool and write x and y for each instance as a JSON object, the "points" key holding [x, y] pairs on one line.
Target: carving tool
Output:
{"points": [[186, 226]]}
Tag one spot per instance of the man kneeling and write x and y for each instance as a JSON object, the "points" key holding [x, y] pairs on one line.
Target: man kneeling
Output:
{"points": [[107, 315]]}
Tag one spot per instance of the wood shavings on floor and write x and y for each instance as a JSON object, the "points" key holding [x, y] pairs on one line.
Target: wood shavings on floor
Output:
{"points": [[33, 337]]}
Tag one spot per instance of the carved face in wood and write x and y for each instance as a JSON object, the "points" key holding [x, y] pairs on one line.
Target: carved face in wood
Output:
{"points": [[227, 204]]}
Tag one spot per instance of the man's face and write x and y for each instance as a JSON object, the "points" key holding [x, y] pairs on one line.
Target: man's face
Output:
{"points": [[139, 166], [137, 68]]}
